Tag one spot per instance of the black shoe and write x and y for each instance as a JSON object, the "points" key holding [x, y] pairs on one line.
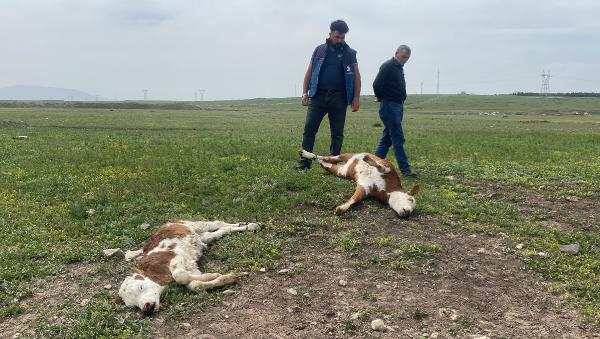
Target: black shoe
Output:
{"points": [[409, 173], [302, 165]]}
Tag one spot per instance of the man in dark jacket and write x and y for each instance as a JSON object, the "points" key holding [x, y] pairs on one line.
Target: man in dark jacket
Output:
{"points": [[390, 89], [331, 83]]}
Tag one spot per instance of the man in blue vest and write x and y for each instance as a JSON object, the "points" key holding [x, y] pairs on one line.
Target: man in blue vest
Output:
{"points": [[331, 83], [390, 90]]}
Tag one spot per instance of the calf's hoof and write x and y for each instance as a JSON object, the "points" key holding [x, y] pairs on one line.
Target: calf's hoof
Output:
{"points": [[339, 210], [252, 226]]}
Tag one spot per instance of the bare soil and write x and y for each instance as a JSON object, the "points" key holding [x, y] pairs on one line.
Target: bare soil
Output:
{"points": [[475, 286], [555, 210], [72, 289]]}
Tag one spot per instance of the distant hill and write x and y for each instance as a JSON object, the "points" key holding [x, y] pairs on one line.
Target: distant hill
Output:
{"points": [[23, 92]]}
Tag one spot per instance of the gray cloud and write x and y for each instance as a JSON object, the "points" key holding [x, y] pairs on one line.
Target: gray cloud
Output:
{"points": [[139, 12], [243, 49]]}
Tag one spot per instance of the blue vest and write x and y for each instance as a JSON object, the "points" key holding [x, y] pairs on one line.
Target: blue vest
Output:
{"points": [[348, 60]]}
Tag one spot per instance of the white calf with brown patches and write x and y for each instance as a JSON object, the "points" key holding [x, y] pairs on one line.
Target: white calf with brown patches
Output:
{"points": [[170, 256], [374, 177]]}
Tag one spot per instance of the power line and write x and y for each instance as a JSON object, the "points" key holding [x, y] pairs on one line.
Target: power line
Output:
{"points": [[520, 78], [571, 78]]}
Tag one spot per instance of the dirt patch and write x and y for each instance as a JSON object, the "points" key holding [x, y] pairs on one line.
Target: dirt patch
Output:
{"points": [[10, 123], [52, 293], [472, 286], [560, 211], [549, 112]]}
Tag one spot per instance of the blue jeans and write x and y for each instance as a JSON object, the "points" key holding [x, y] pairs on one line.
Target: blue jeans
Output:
{"points": [[332, 104], [391, 114]]}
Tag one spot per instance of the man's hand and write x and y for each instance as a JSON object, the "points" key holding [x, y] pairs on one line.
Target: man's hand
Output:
{"points": [[377, 99], [355, 104], [305, 100]]}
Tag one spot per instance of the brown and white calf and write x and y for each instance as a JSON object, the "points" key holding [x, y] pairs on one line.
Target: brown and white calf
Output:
{"points": [[374, 177], [171, 256]]}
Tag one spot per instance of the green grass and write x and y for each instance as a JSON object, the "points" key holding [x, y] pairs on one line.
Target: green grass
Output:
{"points": [[232, 161]]}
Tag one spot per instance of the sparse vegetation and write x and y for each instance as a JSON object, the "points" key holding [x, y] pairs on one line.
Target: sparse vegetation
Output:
{"points": [[232, 161]]}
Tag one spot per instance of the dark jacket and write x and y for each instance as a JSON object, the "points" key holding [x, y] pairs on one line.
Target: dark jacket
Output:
{"points": [[349, 60], [389, 83]]}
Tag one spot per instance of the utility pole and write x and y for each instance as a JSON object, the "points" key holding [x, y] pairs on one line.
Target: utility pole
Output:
{"points": [[545, 83], [421, 87], [145, 91], [437, 89], [195, 95], [201, 91]]}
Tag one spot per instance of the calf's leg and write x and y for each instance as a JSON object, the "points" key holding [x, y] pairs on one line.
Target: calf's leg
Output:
{"points": [[359, 195]]}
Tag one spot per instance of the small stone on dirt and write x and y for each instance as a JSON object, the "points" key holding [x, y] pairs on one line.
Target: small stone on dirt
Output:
{"points": [[571, 199], [379, 325], [292, 291], [228, 292], [110, 252], [107, 287], [342, 282], [284, 271], [448, 312], [145, 226], [91, 212], [434, 335], [186, 325], [263, 270], [519, 246], [84, 302], [481, 251], [571, 248], [542, 254]]}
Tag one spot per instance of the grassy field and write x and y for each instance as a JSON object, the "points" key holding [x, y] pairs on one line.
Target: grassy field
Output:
{"points": [[481, 159]]}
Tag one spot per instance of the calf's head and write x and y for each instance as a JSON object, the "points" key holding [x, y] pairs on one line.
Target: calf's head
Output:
{"points": [[141, 292], [403, 203]]}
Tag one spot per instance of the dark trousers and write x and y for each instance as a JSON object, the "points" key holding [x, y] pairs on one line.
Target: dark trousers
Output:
{"points": [[332, 103], [391, 114]]}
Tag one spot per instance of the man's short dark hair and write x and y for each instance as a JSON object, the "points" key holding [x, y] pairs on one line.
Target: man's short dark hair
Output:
{"points": [[340, 26]]}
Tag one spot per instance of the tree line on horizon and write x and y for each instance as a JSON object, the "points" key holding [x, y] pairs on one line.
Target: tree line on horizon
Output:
{"points": [[570, 94]]}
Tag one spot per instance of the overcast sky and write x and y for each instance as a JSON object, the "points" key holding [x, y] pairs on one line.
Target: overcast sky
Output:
{"points": [[261, 48]]}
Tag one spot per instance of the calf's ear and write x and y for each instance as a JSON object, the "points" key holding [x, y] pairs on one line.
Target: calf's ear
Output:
{"points": [[414, 190]]}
